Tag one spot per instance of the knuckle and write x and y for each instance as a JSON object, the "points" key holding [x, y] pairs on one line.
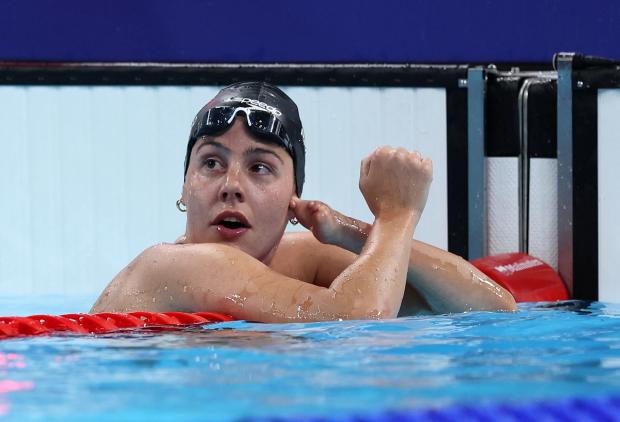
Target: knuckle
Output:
{"points": [[384, 150], [393, 152], [415, 155]]}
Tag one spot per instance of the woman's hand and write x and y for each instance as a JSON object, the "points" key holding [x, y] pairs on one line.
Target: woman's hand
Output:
{"points": [[395, 181], [325, 223]]}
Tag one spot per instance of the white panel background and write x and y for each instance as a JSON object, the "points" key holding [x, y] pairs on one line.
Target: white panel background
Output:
{"points": [[503, 207], [502, 204], [89, 176], [608, 194], [543, 228]]}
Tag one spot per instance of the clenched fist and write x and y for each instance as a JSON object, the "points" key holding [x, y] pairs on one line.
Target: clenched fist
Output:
{"points": [[395, 181]]}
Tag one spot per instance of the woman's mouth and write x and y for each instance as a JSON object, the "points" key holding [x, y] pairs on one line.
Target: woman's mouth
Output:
{"points": [[231, 227], [232, 223]]}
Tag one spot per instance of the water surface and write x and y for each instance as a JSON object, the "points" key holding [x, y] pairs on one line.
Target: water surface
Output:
{"points": [[238, 369]]}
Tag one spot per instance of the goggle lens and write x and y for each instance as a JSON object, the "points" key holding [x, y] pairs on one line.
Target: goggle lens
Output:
{"points": [[260, 122]]}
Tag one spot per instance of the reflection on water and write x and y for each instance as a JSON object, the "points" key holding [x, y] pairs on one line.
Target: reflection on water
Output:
{"points": [[198, 336], [235, 369], [8, 385], [583, 307]]}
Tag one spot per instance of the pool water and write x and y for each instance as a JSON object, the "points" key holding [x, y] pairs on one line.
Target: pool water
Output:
{"points": [[238, 370]]}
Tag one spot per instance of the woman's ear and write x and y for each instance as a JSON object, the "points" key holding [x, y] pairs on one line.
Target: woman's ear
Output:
{"points": [[293, 202], [291, 206]]}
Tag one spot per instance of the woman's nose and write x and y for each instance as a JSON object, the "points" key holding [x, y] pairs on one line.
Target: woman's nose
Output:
{"points": [[232, 188]]}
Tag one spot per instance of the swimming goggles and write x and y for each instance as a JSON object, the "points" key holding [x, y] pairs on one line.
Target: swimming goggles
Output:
{"points": [[261, 122]]}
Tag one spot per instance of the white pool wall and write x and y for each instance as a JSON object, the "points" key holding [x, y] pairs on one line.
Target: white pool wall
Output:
{"points": [[608, 194]]}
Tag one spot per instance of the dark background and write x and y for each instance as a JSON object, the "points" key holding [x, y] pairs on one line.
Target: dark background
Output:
{"points": [[417, 31]]}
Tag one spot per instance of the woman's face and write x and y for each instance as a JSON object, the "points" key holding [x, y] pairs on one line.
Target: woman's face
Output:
{"points": [[237, 191]]}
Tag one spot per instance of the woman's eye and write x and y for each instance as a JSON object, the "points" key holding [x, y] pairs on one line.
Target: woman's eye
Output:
{"points": [[211, 163], [261, 168]]}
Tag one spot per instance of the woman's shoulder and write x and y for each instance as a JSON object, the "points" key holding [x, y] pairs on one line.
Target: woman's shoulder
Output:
{"points": [[301, 256], [161, 256], [295, 256], [161, 273], [296, 243]]}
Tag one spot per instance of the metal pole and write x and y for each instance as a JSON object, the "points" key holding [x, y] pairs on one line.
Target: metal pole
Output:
{"points": [[564, 66], [524, 169], [476, 166]]}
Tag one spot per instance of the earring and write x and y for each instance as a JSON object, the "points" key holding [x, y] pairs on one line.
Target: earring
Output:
{"points": [[294, 221], [181, 205]]}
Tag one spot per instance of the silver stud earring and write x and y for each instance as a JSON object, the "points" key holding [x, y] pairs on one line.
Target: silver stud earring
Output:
{"points": [[181, 205], [294, 221]]}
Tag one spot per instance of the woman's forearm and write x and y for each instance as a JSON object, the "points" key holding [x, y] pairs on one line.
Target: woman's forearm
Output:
{"points": [[449, 283], [375, 282], [446, 281]]}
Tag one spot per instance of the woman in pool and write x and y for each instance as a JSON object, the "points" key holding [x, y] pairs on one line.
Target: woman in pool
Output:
{"points": [[244, 173]]}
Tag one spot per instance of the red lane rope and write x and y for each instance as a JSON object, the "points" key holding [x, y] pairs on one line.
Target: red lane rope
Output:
{"points": [[103, 322]]}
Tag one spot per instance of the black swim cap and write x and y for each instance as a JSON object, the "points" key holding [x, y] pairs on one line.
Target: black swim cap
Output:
{"points": [[286, 129]]}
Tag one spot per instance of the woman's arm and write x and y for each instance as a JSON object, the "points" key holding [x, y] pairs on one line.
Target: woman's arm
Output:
{"points": [[446, 282], [220, 278]]}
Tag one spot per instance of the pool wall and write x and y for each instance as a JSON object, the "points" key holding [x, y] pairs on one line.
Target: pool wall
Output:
{"points": [[608, 104]]}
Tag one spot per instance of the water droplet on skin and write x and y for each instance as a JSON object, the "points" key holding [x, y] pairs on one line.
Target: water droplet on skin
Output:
{"points": [[237, 299]]}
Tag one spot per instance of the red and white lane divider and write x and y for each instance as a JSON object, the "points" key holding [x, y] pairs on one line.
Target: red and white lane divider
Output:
{"points": [[104, 322]]}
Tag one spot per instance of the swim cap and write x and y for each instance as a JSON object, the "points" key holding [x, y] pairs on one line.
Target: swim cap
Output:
{"points": [[284, 126]]}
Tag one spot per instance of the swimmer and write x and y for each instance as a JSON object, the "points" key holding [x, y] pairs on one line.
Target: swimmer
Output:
{"points": [[244, 175]]}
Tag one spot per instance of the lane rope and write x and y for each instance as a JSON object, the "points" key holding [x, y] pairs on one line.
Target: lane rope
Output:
{"points": [[104, 322]]}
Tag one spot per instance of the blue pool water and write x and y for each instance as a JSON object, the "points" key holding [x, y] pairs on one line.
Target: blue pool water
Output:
{"points": [[234, 370]]}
